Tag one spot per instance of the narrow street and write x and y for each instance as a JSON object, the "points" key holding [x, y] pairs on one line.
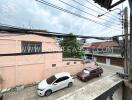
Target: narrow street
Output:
{"points": [[48, 45], [30, 93]]}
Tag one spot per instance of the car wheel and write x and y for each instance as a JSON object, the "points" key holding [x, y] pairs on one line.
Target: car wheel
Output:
{"points": [[70, 84], [79, 78], [48, 93]]}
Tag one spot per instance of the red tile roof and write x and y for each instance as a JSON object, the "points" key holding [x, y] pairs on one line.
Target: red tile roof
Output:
{"points": [[88, 45], [108, 44], [101, 44]]}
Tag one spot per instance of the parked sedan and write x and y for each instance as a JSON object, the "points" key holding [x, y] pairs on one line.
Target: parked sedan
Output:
{"points": [[89, 73], [54, 83]]}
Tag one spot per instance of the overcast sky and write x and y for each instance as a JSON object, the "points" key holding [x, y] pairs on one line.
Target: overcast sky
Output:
{"points": [[32, 14]]}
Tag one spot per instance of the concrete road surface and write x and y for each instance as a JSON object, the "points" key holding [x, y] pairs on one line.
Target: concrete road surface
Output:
{"points": [[30, 93]]}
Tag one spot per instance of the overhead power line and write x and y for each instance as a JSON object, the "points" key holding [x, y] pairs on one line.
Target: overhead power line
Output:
{"points": [[23, 31], [87, 12], [115, 17], [19, 30], [72, 13], [94, 5], [86, 6], [31, 30]]}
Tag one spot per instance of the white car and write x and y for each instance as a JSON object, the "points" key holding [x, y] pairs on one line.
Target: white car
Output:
{"points": [[54, 83]]}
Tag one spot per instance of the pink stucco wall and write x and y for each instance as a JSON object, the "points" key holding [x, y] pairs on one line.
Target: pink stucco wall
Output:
{"points": [[25, 69]]}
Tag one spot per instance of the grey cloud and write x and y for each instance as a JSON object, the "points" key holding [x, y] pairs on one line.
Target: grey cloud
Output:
{"points": [[29, 13]]}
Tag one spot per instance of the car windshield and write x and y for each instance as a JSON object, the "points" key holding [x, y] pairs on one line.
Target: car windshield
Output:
{"points": [[51, 79], [86, 71]]}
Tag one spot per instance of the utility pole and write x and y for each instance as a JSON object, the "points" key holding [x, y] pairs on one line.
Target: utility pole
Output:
{"points": [[130, 63], [126, 40]]}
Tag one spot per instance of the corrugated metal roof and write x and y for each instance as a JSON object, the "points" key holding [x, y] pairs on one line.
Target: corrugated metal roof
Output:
{"points": [[4, 34]]}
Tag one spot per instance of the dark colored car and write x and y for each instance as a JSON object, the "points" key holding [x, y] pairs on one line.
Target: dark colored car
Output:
{"points": [[89, 73]]}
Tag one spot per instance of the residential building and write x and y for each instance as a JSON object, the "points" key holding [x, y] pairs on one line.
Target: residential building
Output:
{"points": [[108, 52], [107, 47], [29, 57]]}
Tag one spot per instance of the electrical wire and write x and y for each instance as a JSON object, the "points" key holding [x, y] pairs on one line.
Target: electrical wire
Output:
{"points": [[72, 13], [100, 8], [95, 10], [95, 5], [9, 26], [92, 9], [86, 6], [86, 12], [42, 32]]}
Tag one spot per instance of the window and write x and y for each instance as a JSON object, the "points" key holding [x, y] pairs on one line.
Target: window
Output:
{"points": [[62, 79], [53, 65], [93, 71], [58, 80], [86, 71], [65, 78], [31, 47], [51, 79]]}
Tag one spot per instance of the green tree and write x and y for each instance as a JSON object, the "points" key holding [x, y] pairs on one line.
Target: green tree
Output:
{"points": [[71, 47]]}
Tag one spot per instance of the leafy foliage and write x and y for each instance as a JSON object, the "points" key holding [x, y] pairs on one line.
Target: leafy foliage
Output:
{"points": [[71, 47]]}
